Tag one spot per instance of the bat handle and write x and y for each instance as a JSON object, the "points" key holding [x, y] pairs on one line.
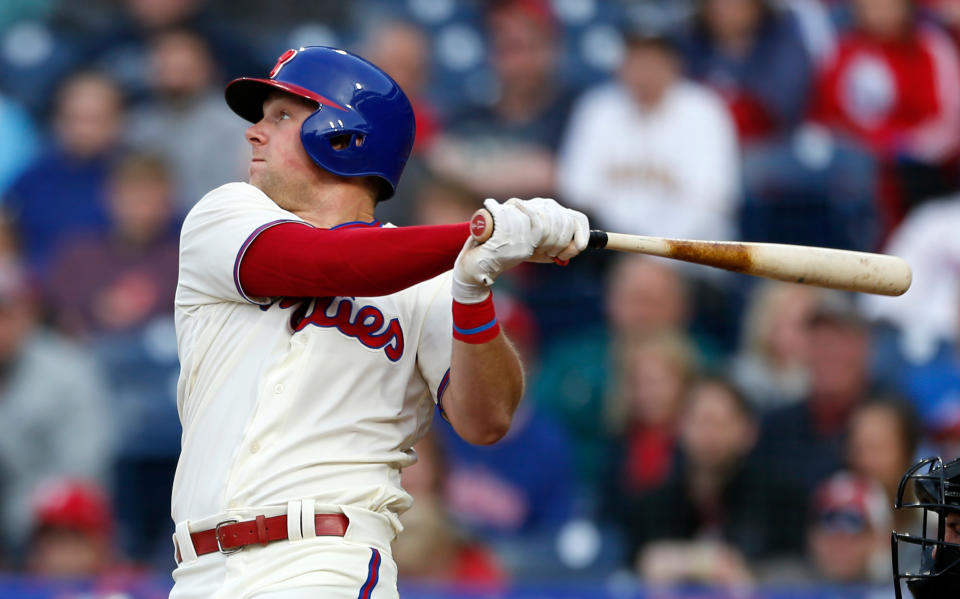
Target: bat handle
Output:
{"points": [[481, 228], [481, 225], [598, 240]]}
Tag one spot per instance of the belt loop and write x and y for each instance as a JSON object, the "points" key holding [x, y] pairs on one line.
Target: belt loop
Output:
{"points": [[308, 526], [262, 530], [293, 521], [182, 535]]}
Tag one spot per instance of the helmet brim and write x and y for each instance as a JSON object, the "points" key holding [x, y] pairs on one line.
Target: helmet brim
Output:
{"points": [[245, 96]]}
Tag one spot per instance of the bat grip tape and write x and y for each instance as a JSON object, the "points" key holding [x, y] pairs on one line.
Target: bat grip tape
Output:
{"points": [[598, 240]]}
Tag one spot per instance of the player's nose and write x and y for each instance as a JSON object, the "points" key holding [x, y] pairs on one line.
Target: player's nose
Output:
{"points": [[255, 135]]}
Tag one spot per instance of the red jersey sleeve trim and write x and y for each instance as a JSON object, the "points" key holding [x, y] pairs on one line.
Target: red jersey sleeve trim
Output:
{"points": [[260, 301]]}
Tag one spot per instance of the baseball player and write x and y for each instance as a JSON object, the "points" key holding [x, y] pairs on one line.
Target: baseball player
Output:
{"points": [[929, 564], [314, 342]]}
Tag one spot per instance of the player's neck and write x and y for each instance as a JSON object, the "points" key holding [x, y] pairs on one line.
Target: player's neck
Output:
{"points": [[338, 204]]}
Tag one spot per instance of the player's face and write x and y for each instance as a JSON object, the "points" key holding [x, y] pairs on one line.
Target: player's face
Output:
{"points": [[279, 165], [951, 532]]}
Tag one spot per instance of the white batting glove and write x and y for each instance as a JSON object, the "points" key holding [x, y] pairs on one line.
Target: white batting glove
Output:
{"points": [[513, 241], [560, 233]]}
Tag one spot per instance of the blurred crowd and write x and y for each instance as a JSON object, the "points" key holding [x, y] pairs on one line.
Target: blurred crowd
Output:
{"points": [[681, 424]]}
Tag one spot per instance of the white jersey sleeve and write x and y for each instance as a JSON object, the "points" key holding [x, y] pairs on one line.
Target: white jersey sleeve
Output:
{"points": [[436, 338], [215, 235]]}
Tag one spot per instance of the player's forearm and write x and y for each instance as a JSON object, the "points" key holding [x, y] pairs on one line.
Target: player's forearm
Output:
{"points": [[486, 379], [295, 260], [486, 385]]}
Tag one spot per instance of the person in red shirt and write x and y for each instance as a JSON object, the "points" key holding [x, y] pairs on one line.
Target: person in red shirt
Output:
{"points": [[894, 86]]}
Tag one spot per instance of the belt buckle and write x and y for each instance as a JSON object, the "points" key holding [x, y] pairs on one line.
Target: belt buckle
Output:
{"points": [[216, 533]]}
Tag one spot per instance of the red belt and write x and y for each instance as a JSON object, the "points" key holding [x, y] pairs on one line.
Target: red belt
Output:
{"points": [[232, 536]]}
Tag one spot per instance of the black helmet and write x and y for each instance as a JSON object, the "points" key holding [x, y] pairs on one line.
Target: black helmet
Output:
{"points": [[926, 562]]}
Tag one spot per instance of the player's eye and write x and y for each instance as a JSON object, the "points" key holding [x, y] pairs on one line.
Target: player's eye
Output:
{"points": [[283, 115]]}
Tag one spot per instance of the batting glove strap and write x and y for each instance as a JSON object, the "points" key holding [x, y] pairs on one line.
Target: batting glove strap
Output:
{"points": [[475, 323], [467, 293]]}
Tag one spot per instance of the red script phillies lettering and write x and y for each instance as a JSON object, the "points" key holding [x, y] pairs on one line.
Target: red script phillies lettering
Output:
{"points": [[365, 324]]}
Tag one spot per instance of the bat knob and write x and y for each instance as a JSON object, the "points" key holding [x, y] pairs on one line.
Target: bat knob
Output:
{"points": [[481, 225]]}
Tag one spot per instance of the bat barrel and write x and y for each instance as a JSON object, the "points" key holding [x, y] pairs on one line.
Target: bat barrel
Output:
{"points": [[837, 269], [824, 267]]}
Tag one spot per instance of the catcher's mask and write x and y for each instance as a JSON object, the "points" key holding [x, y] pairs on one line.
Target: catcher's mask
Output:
{"points": [[925, 561]]}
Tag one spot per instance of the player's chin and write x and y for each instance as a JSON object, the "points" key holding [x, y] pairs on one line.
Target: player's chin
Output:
{"points": [[265, 181], [258, 175]]}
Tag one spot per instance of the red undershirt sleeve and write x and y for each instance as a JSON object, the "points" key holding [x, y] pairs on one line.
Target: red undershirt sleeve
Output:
{"points": [[296, 260]]}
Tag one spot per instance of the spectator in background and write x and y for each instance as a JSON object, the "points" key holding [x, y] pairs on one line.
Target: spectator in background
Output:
{"points": [[753, 54], [646, 295], [444, 201], [771, 364], [122, 47], [121, 279], [431, 548], [932, 390], [18, 142], [115, 291], [61, 193], [402, 49], [183, 120], [72, 534], [52, 403], [882, 441], [643, 296], [894, 86], [802, 444], [711, 504], [652, 374], [920, 346], [507, 147], [849, 532], [652, 154]]}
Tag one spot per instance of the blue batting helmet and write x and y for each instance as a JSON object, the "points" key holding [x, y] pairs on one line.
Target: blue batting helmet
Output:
{"points": [[357, 102]]}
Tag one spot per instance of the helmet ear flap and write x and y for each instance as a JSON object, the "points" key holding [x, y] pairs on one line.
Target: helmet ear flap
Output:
{"points": [[335, 143]]}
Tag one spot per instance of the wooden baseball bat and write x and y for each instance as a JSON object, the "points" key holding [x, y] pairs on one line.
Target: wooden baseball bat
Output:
{"points": [[824, 267]]}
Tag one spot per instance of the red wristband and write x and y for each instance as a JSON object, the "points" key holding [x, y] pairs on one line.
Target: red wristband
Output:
{"points": [[475, 323]]}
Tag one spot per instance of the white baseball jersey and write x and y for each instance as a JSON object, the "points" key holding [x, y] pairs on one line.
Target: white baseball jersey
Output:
{"points": [[282, 398]]}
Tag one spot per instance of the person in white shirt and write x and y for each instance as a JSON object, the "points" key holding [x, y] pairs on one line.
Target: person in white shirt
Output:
{"points": [[652, 153], [314, 343]]}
